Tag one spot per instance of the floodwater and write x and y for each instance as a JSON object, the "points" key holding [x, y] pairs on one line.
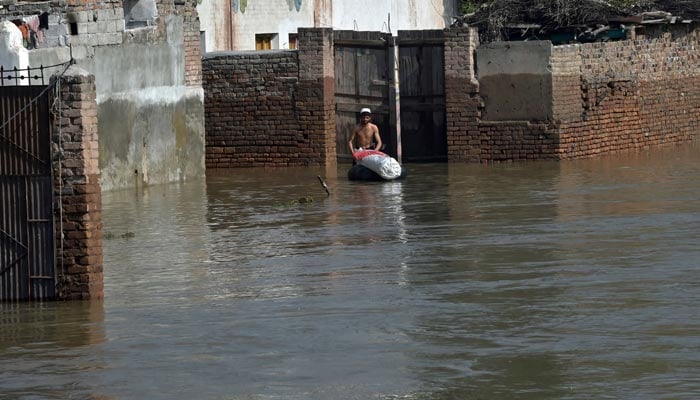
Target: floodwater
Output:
{"points": [[542, 280]]}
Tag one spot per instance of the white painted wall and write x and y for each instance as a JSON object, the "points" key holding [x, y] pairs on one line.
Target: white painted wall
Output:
{"points": [[270, 16], [282, 18], [391, 15], [12, 51]]}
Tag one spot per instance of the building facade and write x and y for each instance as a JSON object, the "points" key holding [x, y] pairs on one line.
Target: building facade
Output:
{"points": [[272, 24], [146, 60]]}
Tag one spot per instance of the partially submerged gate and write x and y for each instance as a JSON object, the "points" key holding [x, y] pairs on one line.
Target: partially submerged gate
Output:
{"points": [[422, 72], [27, 245], [363, 71], [365, 67]]}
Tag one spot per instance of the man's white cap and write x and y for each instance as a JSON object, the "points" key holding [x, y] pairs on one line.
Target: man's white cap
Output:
{"points": [[365, 110]]}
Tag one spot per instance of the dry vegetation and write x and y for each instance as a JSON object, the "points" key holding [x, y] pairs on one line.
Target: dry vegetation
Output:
{"points": [[491, 16]]}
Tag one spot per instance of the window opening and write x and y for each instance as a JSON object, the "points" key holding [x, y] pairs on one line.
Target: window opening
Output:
{"points": [[139, 13], [293, 41], [263, 41]]}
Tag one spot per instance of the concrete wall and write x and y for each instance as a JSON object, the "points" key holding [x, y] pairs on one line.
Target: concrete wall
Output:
{"points": [[231, 28], [515, 80], [149, 95]]}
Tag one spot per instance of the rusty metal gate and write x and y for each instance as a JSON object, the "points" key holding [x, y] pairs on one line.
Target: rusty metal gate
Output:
{"points": [[27, 244], [365, 64]]}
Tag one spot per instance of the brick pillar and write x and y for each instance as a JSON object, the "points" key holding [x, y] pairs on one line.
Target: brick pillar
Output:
{"points": [[79, 201], [193, 48], [316, 101], [462, 102]]}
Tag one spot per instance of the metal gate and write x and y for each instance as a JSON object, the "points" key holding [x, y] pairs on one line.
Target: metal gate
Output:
{"points": [[365, 65], [27, 244]]}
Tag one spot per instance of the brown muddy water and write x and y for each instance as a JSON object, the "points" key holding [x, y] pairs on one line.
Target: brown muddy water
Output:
{"points": [[572, 280]]}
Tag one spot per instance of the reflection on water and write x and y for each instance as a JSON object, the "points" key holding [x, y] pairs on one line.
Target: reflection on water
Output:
{"points": [[543, 280], [45, 349]]}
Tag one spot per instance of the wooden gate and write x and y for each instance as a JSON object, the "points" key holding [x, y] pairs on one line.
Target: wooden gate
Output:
{"points": [[364, 74], [422, 84], [27, 245]]}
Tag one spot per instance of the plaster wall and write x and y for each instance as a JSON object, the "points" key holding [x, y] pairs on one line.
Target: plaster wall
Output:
{"points": [[515, 80], [281, 17], [151, 125], [151, 136], [134, 66], [214, 20], [392, 16]]}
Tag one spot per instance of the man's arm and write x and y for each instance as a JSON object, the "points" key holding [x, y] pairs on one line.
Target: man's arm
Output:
{"points": [[352, 140], [377, 139]]}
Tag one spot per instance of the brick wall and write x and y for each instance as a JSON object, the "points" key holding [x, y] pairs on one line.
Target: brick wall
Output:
{"points": [[316, 99], [606, 97], [471, 139], [193, 48], [634, 94], [462, 105], [187, 9], [271, 108], [79, 201]]}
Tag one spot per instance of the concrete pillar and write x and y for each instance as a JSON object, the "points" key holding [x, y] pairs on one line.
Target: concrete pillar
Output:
{"points": [[78, 196]]}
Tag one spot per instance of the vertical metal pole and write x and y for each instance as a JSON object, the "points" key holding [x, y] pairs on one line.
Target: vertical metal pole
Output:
{"points": [[397, 97]]}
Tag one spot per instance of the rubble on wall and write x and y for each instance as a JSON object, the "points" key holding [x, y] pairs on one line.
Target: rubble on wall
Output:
{"points": [[574, 21]]}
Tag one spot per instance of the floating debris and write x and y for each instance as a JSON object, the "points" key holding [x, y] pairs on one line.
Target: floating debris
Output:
{"points": [[125, 235], [301, 200], [325, 187]]}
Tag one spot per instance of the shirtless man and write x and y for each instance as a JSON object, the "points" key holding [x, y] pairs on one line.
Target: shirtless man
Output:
{"points": [[366, 132]]}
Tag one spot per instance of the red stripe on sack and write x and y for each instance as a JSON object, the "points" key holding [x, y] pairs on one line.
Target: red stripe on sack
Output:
{"points": [[359, 155]]}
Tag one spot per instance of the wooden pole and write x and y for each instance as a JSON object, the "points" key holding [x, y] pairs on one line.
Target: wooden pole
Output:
{"points": [[397, 98]]}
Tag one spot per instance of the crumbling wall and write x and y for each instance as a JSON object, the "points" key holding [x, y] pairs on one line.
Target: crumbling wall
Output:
{"points": [[605, 97], [148, 82], [470, 137], [629, 94]]}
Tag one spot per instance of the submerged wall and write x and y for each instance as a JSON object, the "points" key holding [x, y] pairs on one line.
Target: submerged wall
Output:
{"points": [[515, 80], [151, 121], [628, 95], [605, 97], [271, 108], [78, 216], [148, 81]]}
